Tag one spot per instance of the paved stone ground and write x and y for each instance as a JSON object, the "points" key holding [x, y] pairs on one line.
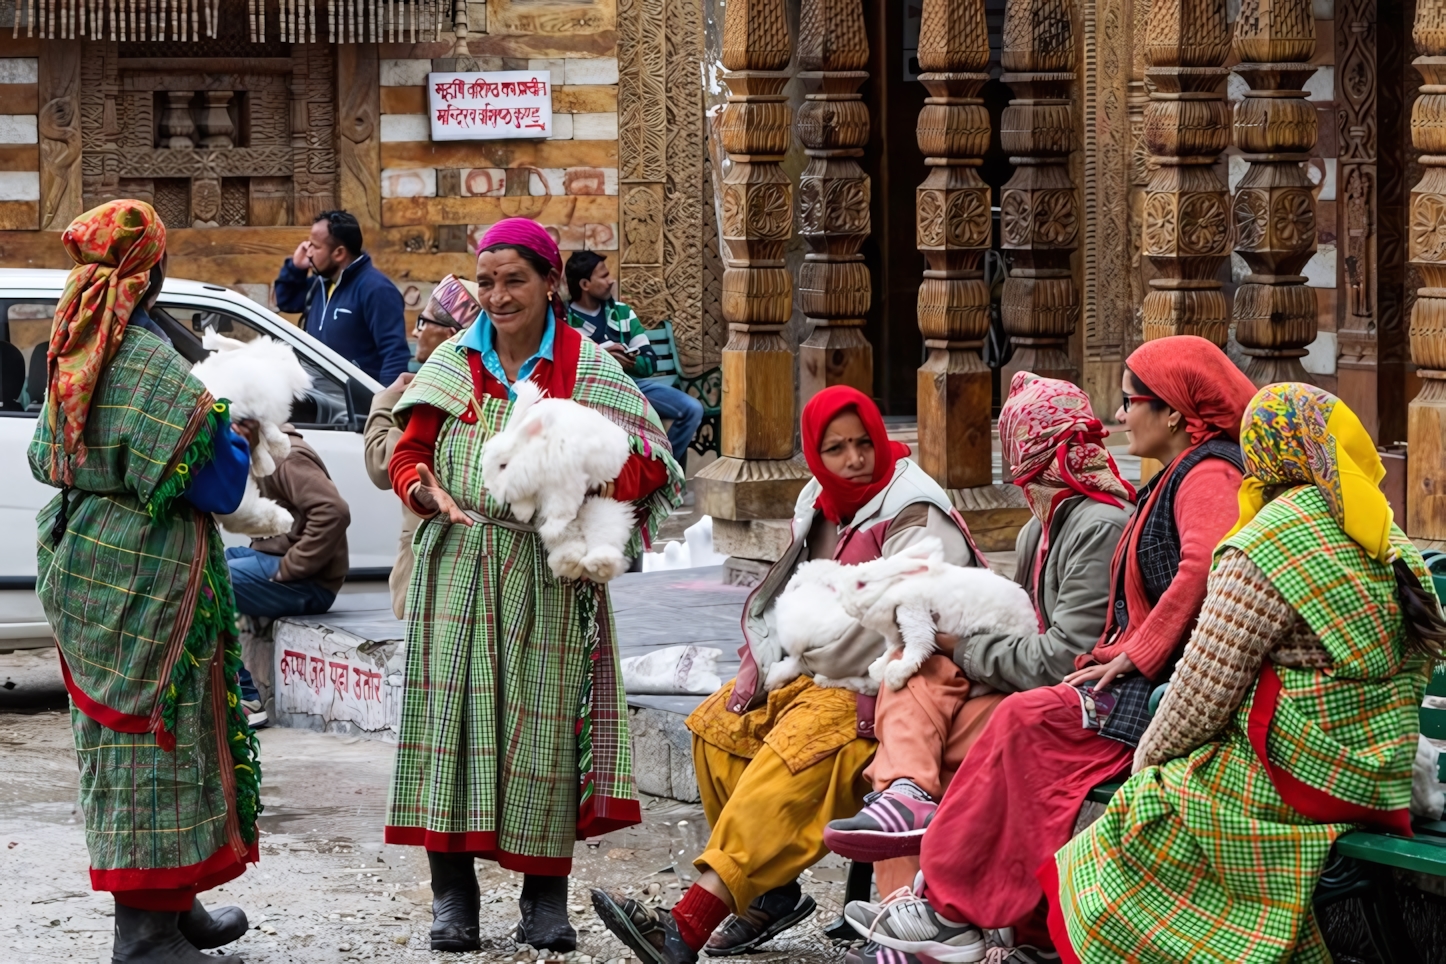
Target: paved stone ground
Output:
{"points": [[327, 889]]}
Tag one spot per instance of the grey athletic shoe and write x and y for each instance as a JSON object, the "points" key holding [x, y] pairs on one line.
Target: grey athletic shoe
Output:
{"points": [[906, 922]]}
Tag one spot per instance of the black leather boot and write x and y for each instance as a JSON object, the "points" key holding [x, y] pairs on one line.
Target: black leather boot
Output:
{"points": [[544, 922], [153, 937], [456, 902], [214, 928]]}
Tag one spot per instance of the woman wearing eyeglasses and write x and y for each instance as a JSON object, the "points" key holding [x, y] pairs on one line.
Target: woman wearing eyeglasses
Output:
{"points": [[1017, 795], [452, 307]]}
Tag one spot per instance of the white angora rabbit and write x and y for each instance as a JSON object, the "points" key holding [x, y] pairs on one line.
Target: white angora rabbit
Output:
{"points": [[543, 463], [260, 378]]}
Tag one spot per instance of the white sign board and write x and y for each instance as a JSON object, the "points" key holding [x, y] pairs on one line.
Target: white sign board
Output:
{"points": [[490, 105]]}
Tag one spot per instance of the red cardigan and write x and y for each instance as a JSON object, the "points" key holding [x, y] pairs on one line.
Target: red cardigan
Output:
{"points": [[1206, 506], [639, 478]]}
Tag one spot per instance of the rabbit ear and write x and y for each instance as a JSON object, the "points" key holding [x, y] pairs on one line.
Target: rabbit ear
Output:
{"points": [[533, 428]]}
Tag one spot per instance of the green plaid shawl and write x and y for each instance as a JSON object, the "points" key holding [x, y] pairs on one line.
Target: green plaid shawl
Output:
{"points": [[139, 596], [514, 735], [1200, 859], [1349, 731]]}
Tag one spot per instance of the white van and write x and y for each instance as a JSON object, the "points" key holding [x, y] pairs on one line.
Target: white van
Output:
{"points": [[331, 418]]}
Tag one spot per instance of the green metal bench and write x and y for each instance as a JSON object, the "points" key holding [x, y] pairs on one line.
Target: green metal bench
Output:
{"points": [[1360, 864], [706, 387]]}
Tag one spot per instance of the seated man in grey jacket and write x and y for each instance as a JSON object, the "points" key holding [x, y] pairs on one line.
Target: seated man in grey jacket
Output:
{"points": [[1053, 445]]}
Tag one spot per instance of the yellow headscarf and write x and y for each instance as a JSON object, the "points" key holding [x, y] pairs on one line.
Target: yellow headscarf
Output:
{"points": [[1297, 434]]}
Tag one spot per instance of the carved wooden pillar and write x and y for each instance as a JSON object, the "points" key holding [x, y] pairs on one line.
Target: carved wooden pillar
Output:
{"points": [[757, 476], [1274, 208], [1039, 208], [954, 227], [1185, 229], [1426, 416], [833, 197]]}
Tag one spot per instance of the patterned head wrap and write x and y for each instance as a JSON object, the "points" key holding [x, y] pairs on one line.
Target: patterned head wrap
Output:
{"points": [[114, 248], [1052, 441], [1196, 379], [1297, 434], [453, 302]]}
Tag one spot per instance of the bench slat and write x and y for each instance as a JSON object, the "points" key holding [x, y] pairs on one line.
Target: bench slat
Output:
{"points": [[1423, 854]]}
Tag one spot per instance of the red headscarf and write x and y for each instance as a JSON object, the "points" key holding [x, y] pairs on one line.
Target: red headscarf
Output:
{"points": [[1197, 380], [840, 498]]}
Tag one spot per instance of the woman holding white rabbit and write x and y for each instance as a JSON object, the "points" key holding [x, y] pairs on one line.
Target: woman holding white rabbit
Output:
{"points": [[796, 754], [514, 739]]}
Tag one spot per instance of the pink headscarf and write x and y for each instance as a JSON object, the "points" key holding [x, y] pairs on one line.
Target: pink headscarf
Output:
{"points": [[1053, 443], [527, 233]]}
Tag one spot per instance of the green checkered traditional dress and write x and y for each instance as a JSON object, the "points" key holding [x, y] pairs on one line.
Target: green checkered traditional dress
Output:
{"points": [[137, 592], [1202, 859], [514, 738]]}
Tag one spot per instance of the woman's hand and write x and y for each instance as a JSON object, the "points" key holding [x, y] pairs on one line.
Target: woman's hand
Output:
{"points": [[249, 429], [604, 491], [429, 494], [1105, 673], [946, 643]]}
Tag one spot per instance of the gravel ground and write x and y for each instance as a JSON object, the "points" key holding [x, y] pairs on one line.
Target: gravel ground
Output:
{"points": [[327, 889]]}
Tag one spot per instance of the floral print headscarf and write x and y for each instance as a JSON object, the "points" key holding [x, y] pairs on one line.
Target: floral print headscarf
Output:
{"points": [[114, 248], [1297, 434]]}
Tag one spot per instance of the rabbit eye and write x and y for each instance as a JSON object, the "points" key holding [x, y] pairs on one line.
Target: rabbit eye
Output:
{"points": [[860, 584]]}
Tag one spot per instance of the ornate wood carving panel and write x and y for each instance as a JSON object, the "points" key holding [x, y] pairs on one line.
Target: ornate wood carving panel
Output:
{"points": [[60, 138], [660, 167], [168, 129], [358, 141], [1108, 301]]}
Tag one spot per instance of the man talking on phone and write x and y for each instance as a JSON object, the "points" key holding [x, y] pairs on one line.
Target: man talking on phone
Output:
{"points": [[615, 327]]}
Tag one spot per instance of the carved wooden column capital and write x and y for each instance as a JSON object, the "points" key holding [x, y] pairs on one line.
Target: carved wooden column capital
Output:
{"points": [[1274, 205], [758, 475], [1039, 207], [833, 197], [1426, 231]]}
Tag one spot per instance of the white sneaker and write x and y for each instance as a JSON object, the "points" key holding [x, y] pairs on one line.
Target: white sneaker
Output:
{"points": [[906, 922]]}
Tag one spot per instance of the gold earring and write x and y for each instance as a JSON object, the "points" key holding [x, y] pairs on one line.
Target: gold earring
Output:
{"points": [[1174, 427]]}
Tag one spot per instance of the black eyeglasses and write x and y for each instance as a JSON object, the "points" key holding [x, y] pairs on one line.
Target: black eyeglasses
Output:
{"points": [[1129, 399], [422, 322]]}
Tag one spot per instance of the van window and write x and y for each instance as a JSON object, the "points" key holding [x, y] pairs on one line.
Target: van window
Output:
{"points": [[325, 405], [24, 338]]}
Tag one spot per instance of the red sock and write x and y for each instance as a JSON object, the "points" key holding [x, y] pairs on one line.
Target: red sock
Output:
{"points": [[697, 914]]}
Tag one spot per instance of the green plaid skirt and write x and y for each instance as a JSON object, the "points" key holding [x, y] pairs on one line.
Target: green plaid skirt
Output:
{"points": [[500, 681]]}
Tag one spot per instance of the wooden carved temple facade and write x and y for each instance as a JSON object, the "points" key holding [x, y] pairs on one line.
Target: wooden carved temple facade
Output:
{"points": [[814, 192]]}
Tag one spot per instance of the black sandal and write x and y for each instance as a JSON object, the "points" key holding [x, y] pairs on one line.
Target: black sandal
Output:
{"points": [[650, 932], [764, 919]]}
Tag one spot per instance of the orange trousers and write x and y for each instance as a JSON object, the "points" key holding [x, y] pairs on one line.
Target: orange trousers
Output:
{"points": [[924, 731]]}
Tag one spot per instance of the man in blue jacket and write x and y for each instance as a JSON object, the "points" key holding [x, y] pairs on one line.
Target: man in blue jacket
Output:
{"points": [[349, 305]]}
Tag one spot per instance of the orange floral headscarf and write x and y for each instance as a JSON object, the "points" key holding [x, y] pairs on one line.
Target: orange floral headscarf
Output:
{"points": [[114, 248]]}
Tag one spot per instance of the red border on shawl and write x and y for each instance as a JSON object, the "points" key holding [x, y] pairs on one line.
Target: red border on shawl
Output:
{"points": [[1301, 796], [1048, 877], [481, 844], [215, 870], [104, 715]]}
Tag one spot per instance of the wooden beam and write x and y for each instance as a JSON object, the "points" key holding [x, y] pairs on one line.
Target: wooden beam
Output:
{"points": [[503, 154]]}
